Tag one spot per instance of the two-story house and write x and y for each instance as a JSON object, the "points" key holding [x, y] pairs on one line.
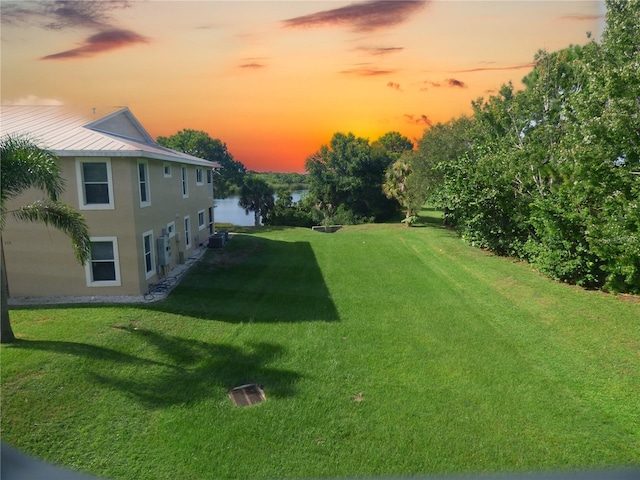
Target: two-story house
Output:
{"points": [[147, 207]]}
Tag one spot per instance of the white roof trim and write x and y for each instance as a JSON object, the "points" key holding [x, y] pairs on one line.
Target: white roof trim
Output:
{"points": [[137, 154]]}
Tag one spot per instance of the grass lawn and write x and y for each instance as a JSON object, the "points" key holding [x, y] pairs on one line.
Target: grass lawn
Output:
{"points": [[383, 350]]}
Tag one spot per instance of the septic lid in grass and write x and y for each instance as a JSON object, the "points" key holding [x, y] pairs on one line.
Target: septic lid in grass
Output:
{"points": [[245, 395]]}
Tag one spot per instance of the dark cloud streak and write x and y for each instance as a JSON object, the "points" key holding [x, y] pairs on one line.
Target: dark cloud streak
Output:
{"points": [[492, 69], [431, 84], [61, 14], [94, 15], [361, 17], [253, 66], [418, 119], [455, 83], [379, 51], [448, 82], [99, 43], [581, 18], [366, 71], [253, 63]]}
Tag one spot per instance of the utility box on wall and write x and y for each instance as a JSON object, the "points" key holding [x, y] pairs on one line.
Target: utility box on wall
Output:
{"points": [[164, 251]]}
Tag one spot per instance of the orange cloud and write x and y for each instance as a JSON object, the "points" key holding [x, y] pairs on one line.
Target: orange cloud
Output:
{"points": [[100, 42], [361, 17], [395, 86]]}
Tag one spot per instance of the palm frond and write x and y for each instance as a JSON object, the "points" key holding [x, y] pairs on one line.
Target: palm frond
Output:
{"points": [[62, 217], [24, 164]]}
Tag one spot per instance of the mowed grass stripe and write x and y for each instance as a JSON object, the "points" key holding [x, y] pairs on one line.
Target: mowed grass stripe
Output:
{"points": [[383, 351], [492, 318]]}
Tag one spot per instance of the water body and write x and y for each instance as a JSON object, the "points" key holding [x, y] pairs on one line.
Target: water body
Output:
{"points": [[227, 210]]}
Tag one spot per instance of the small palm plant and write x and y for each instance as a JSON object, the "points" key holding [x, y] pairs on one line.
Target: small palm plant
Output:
{"points": [[25, 165]]}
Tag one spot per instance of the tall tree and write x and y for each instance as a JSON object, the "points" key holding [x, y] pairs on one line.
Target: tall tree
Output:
{"points": [[24, 165], [201, 145], [395, 144], [256, 196], [345, 179], [441, 144], [601, 149]]}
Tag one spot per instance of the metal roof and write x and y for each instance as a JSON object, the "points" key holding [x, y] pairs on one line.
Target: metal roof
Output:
{"points": [[88, 132]]}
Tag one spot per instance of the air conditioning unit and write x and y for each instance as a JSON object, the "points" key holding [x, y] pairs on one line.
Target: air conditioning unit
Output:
{"points": [[164, 251]]}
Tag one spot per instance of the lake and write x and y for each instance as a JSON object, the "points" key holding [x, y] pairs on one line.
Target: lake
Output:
{"points": [[227, 210]]}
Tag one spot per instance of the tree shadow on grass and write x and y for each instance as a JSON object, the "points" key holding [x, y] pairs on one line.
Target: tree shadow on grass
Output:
{"points": [[185, 371], [93, 352], [254, 279], [430, 217]]}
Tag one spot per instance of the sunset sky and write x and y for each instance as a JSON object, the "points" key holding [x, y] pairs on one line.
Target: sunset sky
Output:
{"points": [[275, 79]]}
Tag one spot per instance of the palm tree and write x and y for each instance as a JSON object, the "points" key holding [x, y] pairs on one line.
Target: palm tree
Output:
{"points": [[25, 165], [256, 196], [406, 185]]}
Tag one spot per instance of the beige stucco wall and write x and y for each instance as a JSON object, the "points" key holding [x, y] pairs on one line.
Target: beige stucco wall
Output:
{"points": [[168, 205], [40, 260]]}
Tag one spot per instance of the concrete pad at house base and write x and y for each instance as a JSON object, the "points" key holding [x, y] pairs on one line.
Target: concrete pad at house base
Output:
{"points": [[171, 281]]}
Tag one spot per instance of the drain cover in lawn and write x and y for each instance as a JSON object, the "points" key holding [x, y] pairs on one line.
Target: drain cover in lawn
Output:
{"points": [[247, 395]]}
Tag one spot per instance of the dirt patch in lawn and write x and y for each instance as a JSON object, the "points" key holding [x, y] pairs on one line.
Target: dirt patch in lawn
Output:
{"points": [[629, 298]]}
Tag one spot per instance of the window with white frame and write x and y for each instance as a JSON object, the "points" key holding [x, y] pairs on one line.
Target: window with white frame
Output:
{"points": [[187, 232], [171, 229], [95, 184], [209, 183], [199, 176], [149, 254], [201, 223], [103, 270], [166, 169], [143, 182], [185, 186]]}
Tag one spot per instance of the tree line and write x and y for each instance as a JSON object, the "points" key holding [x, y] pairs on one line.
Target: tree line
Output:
{"points": [[549, 174]]}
